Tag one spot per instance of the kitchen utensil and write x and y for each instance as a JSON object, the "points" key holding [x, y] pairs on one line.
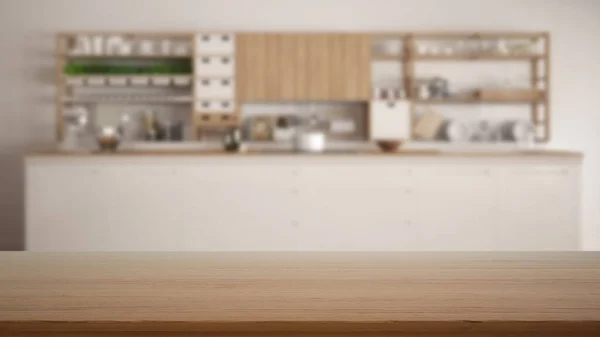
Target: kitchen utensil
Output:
{"points": [[389, 145], [108, 138]]}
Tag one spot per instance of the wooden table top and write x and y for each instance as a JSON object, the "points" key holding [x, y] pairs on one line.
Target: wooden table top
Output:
{"points": [[283, 287]]}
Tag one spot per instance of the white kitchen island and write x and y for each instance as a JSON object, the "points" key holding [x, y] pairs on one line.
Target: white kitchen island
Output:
{"points": [[210, 201]]}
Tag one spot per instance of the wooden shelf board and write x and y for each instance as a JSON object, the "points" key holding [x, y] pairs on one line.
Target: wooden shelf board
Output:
{"points": [[478, 57], [127, 100], [474, 35], [127, 57], [472, 57], [470, 100]]}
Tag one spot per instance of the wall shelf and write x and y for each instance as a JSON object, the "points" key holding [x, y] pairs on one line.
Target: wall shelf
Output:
{"points": [[126, 57], [471, 100], [463, 57], [128, 99]]}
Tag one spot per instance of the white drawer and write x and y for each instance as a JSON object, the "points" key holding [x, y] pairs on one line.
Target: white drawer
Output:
{"points": [[227, 106], [215, 43], [207, 88], [215, 66], [390, 120]]}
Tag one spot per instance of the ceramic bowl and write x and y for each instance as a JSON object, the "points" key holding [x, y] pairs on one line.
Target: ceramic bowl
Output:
{"points": [[389, 145]]}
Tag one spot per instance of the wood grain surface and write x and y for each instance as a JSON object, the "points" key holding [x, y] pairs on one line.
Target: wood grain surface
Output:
{"points": [[300, 287]]}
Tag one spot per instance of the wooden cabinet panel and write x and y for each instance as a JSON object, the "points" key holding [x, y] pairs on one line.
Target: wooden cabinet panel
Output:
{"points": [[251, 67], [274, 62], [317, 67], [288, 67]]}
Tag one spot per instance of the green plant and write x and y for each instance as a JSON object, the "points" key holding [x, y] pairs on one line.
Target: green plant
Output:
{"points": [[100, 68]]}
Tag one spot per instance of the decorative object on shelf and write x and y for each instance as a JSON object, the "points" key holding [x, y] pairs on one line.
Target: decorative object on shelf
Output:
{"points": [[165, 47], [284, 131], [455, 131], [261, 128], [428, 125], [392, 94], [232, 141], [83, 45], [439, 88], [483, 131], [424, 91], [146, 47], [389, 145], [517, 131], [98, 44], [108, 138], [113, 45], [153, 130]]}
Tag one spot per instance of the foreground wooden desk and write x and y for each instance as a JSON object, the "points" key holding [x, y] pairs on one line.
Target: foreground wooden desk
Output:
{"points": [[309, 294]]}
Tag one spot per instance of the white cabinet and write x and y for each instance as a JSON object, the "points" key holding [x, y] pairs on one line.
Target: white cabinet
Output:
{"points": [[215, 43], [390, 120], [278, 203], [223, 88], [221, 66]]}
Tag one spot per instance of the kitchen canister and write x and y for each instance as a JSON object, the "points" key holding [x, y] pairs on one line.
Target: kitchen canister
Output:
{"points": [[455, 131]]}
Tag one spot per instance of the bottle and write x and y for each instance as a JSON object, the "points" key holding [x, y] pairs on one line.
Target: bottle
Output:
{"points": [[150, 130]]}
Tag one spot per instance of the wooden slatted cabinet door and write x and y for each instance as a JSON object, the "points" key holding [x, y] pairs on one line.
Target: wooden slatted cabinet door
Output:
{"points": [[318, 67], [356, 74], [273, 66], [288, 65], [251, 56]]}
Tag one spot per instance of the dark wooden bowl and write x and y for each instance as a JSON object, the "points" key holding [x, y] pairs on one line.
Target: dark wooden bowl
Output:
{"points": [[389, 145]]}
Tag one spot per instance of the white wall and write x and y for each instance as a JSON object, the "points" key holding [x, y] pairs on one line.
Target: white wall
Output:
{"points": [[27, 30]]}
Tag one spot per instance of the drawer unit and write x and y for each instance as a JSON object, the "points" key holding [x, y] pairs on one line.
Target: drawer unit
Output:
{"points": [[211, 88], [218, 106], [215, 43], [215, 66]]}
